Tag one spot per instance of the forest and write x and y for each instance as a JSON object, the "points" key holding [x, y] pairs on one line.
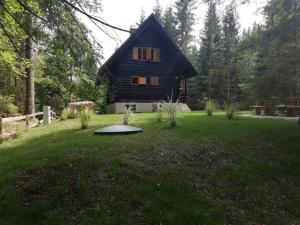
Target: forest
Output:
{"points": [[49, 57]]}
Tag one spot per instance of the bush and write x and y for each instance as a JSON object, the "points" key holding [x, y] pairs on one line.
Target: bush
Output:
{"points": [[231, 111], [209, 107], [126, 114], [84, 116], [7, 108], [65, 114], [171, 108]]}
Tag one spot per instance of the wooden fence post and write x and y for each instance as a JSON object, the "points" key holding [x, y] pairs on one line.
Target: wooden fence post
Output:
{"points": [[46, 115]]}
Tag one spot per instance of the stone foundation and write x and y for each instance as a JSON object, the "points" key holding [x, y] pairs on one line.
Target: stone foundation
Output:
{"points": [[140, 107]]}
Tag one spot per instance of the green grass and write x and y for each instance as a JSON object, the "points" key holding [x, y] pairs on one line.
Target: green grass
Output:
{"points": [[208, 170]]}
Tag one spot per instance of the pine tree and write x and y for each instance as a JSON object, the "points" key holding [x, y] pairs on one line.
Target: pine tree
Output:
{"points": [[158, 10], [230, 41], [184, 12], [210, 54], [142, 17], [169, 22]]}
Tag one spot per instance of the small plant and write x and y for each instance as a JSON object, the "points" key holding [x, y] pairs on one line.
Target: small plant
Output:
{"points": [[171, 108], [231, 111], [159, 112], [209, 107], [65, 114], [127, 113], [73, 114], [84, 116]]}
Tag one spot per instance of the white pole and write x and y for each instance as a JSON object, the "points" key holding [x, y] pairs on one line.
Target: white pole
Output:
{"points": [[46, 115]]}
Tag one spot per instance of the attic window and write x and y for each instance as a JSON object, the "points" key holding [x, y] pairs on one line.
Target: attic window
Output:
{"points": [[145, 54], [138, 80]]}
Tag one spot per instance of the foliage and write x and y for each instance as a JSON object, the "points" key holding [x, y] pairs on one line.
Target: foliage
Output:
{"points": [[169, 22], [127, 114], [158, 10], [7, 108], [185, 16], [210, 59], [209, 107], [65, 114], [85, 117], [142, 17], [231, 111], [68, 63], [171, 109], [230, 42]]}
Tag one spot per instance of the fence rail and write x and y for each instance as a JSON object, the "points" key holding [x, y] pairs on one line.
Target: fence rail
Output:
{"points": [[25, 117]]}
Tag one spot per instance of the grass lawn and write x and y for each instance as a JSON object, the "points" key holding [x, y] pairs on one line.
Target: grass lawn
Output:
{"points": [[208, 170]]}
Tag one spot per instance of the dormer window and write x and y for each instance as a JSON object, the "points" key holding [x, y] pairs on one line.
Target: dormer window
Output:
{"points": [[145, 54]]}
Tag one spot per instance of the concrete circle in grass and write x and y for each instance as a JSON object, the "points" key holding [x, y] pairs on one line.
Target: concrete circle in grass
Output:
{"points": [[119, 129]]}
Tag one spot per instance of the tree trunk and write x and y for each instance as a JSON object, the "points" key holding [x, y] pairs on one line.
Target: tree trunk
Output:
{"points": [[29, 106], [211, 64], [228, 80]]}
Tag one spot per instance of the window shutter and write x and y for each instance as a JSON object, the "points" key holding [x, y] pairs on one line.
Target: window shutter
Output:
{"points": [[156, 55], [135, 54], [154, 81], [148, 54], [142, 81]]}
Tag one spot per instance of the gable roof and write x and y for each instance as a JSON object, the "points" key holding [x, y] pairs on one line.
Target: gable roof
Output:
{"points": [[151, 20]]}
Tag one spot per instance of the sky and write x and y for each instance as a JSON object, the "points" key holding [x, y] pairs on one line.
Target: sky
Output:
{"points": [[123, 14]]}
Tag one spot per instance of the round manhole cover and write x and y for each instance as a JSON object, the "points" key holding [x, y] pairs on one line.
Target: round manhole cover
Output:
{"points": [[119, 129]]}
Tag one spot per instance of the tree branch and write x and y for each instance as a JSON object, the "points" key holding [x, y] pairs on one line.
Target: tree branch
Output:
{"points": [[94, 18], [18, 22], [29, 10], [10, 39], [97, 24]]}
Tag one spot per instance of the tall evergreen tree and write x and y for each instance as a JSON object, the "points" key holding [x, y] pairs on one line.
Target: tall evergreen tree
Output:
{"points": [[211, 62], [185, 16], [169, 22], [158, 10], [230, 41], [279, 58], [142, 17]]}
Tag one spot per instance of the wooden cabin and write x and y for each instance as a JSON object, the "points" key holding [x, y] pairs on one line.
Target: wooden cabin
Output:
{"points": [[147, 68]]}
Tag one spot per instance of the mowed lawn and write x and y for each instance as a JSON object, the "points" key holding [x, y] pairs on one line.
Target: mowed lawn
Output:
{"points": [[208, 170]]}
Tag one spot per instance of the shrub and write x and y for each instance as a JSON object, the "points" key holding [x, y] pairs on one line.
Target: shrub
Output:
{"points": [[74, 114], [127, 113], [231, 111], [159, 112], [65, 114], [84, 116], [171, 108], [209, 107], [7, 108]]}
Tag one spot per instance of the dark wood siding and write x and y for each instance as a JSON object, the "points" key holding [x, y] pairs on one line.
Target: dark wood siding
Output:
{"points": [[125, 67]]}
